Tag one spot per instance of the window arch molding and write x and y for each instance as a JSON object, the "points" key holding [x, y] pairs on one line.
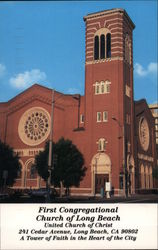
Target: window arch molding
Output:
{"points": [[102, 31], [102, 44]]}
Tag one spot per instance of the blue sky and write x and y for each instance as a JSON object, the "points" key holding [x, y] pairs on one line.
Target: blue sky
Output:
{"points": [[44, 42]]}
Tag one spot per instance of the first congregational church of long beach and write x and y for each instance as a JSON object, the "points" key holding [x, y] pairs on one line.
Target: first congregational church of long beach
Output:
{"points": [[114, 133]]}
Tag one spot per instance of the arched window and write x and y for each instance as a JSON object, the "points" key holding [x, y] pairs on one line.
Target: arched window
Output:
{"points": [[108, 45], [102, 46], [96, 48]]}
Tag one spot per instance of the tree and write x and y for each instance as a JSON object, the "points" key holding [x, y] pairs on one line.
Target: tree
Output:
{"points": [[41, 162], [155, 172], [9, 165], [69, 169], [67, 164]]}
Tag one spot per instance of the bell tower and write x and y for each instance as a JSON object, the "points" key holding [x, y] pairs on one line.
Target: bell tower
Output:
{"points": [[109, 89]]}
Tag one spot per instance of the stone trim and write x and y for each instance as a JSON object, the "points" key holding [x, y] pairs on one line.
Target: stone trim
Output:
{"points": [[105, 60], [145, 157], [28, 152]]}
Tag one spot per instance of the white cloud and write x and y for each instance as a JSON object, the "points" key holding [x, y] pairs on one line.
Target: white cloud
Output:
{"points": [[151, 69], [26, 79], [73, 91], [2, 69], [140, 70]]}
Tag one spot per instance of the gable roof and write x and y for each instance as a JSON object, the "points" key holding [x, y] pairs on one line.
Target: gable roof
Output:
{"points": [[141, 106]]}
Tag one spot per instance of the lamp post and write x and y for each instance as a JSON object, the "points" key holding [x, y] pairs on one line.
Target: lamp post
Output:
{"points": [[95, 175], [50, 149], [50, 167], [124, 156]]}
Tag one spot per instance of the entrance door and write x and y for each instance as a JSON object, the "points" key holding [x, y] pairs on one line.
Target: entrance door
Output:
{"points": [[100, 180]]}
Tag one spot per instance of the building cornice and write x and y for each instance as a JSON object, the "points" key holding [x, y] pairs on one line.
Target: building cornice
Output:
{"points": [[108, 12]]}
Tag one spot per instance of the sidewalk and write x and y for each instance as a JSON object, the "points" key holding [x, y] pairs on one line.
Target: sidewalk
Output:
{"points": [[116, 199]]}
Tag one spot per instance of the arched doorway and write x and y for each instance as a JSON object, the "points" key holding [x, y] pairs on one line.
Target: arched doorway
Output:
{"points": [[31, 177], [101, 172]]}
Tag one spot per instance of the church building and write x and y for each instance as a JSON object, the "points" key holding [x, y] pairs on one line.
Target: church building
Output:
{"points": [[114, 133]]}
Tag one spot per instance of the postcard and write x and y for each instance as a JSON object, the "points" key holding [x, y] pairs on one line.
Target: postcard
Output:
{"points": [[78, 125]]}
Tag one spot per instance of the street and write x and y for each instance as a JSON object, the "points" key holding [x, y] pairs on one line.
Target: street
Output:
{"points": [[146, 198]]}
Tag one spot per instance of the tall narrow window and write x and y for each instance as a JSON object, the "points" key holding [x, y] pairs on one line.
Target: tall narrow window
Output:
{"points": [[107, 88], [81, 118], [102, 46], [102, 88], [98, 116], [108, 45], [105, 116], [102, 144], [96, 48], [97, 88]]}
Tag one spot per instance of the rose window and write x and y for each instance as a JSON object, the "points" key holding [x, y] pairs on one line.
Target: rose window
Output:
{"points": [[34, 126], [144, 133]]}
